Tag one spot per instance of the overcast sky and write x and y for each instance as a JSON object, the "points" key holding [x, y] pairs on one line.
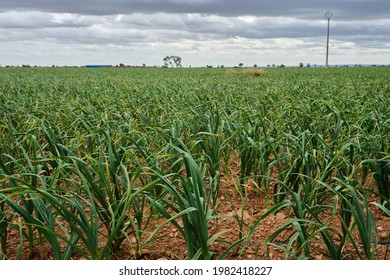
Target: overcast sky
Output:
{"points": [[202, 32]]}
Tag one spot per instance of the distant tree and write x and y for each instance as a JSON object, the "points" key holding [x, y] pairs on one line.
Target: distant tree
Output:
{"points": [[301, 64], [255, 65], [173, 61], [241, 64], [308, 65], [166, 61]]}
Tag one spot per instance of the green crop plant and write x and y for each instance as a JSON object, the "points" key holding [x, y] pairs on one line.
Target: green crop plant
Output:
{"points": [[95, 164], [192, 204]]}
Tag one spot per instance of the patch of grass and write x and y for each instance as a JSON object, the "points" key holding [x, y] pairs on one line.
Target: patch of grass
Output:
{"points": [[250, 72]]}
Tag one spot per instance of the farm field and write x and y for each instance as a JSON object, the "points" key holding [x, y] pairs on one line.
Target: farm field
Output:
{"points": [[120, 163]]}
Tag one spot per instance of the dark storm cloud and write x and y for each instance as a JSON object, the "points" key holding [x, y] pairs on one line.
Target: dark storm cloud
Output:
{"points": [[346, 9]]}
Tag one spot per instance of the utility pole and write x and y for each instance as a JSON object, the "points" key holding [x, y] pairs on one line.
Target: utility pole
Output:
{"points": [[328, 15]]}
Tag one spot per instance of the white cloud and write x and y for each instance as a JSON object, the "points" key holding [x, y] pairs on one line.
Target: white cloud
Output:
{"points": [[37, 19], [45, 38]]}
